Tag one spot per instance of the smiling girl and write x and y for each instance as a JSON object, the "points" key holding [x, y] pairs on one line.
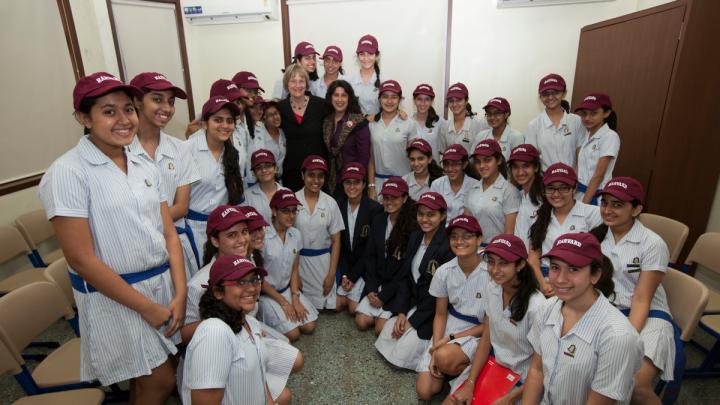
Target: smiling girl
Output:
{"points": [[497, 112], [332, 65], [424, 168], [455, 185], [366, 80], [428, 124], [524, 162], [464, 126]]}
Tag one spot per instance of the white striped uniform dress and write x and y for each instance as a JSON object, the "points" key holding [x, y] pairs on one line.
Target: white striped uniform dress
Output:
{"points": [[556, 144], [466, 136], [257, 199], [605, 142], [455, 201], [278, 257], [509, 139], [388, 147], [210, 191], [317, 229], [415, 190], [490, 206], [601, 352], [281, 354], [465, 294], [263, 140], [218, 358], [177, 169], [638, 251], [433, 135], [366, 93], [582, 218], [527, 213], [123, 213], [356, 291]]}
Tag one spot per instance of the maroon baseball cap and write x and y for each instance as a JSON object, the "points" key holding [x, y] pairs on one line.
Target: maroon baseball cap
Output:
{"points": [[455, 152], [305, 48], [313, 162], [576, 249], [367, 43], [247, 80], [508, 246], [156, 81], [352, 170], [560, 172], [553, 81], [466, 222], [424, 89], [432, 200], [261, 156], [98, 84], [395, 186], [284, 198], [499, 104], [216, 103], [593, 101], [231, 268], [223, 217], [524, 153], [390, 85], [255, 218], [624, 189], [457, 90], [225, 88], [421, 145], [487, 147], [334, 52]]}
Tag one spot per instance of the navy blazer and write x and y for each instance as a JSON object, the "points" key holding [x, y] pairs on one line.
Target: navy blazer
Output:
{"points": [[351, 262], [381, 271], [411, 293]]}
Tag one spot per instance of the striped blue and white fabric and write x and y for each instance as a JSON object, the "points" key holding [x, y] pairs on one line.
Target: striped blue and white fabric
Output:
{"points": [[257, 199], [123, 213], [490, 206], [582, 218], [455, 201], [527, 213], [177, 168], [601, 353], [509, 139]]}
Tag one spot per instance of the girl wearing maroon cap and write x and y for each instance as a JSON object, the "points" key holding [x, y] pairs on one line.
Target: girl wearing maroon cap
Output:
{"points": [[366, 80], [320, 222], [495, 202], [110, 215], [556, 133], [345, 132], [305, 57], [428, 124], [497, 112], [524, 162], [259, 195], [459, 288], [388, 242], [406, 337], [425, 169], [270, 136], [358, 212], [155, 109], [586, 351], [332, 65], [221, 180], [511, 306], [558, 214], [600, 149], [455, 185], [464, 127], [389, 135], [640, 259]]}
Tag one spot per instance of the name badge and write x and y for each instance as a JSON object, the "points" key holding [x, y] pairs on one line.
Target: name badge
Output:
{"points": [[570, 352], [478, 295]]}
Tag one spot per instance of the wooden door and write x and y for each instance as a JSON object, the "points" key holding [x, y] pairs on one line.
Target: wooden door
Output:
{"points": [[631, 58]]}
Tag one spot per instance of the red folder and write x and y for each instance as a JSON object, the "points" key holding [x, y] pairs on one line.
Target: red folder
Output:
{"points": [[493, 382]]}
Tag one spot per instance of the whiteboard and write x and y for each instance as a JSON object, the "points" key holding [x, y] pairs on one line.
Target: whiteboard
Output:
{"points": [[411, 36], [148, 41], [37, 84]]}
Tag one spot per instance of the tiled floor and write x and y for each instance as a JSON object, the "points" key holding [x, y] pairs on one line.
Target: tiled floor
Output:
{"points": [[342, 367]]}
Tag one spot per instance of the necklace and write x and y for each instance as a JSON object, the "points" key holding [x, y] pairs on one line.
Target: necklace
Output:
{"points": [[297, 107]]}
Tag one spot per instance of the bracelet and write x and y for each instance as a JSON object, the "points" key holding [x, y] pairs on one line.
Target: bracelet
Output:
{"points": [[296, 293], [469, 381]]}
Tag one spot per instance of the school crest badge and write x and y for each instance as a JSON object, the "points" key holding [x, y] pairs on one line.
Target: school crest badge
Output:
{"points": [[171, 166], [478, 295], [636, 260], [494, 199], [147, 183], [364, 231], [322, 215], [572, 227], [432, 267]]}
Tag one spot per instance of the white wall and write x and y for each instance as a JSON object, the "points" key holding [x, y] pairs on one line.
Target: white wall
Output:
{"points": [[92, 25]]}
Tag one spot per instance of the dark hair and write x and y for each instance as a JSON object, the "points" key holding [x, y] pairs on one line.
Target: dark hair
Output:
{"points": [[87, 103], [405, 224], [211, 307], [611, 120], [353, 103], [469, 112], [210, 249], [256, 256], [538, 230], [231, 170], [601, 230], [377, 70], [432, 116], [606, 285], [313, 75], [536, 188], [250, 122], [270, 104], [434, 170], [526, 287], [502, 165], [565, 105]]}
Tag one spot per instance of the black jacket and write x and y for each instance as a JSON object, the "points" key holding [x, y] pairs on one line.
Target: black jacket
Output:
{"points": [[351, 262], [411, 293], [301, 139], [381, 271]]}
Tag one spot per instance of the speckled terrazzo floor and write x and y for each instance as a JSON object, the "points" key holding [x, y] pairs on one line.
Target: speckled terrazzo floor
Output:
{"points": [[342, 367]]}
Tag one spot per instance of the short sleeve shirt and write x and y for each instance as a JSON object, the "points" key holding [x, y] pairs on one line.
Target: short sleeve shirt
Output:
{"points": [[556, 144], [582, 218], [605, 142], [509, 139], [317, 228], [210, 191], [465, 293], [490, 206], [279, 256], [455, 201], [389, 143]]}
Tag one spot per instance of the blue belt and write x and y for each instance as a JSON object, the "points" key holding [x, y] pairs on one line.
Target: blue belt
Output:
{"points": [[196, 216], [191, 238], [467, 318], [282, 290], [583, 189], [545, 270], [131, 278], [673, 387], [314, 252], [383, 176]]}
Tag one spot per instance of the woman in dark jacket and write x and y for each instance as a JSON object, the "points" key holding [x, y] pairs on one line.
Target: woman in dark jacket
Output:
{"points": [[345, 132], [302, 121]]}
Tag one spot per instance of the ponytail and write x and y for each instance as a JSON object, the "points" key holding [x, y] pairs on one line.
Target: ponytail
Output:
{"points": [[565, 105], [231, 170], [469, 112], [600, 232], [250, 122], [526, 287], [605, 284], [432, 118], [538, 230], [377, 70], [434, 170], [536, 188], [210, 250], [257, 258], [502, 165], [341, 70], [405, 224], [611, 120]]}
